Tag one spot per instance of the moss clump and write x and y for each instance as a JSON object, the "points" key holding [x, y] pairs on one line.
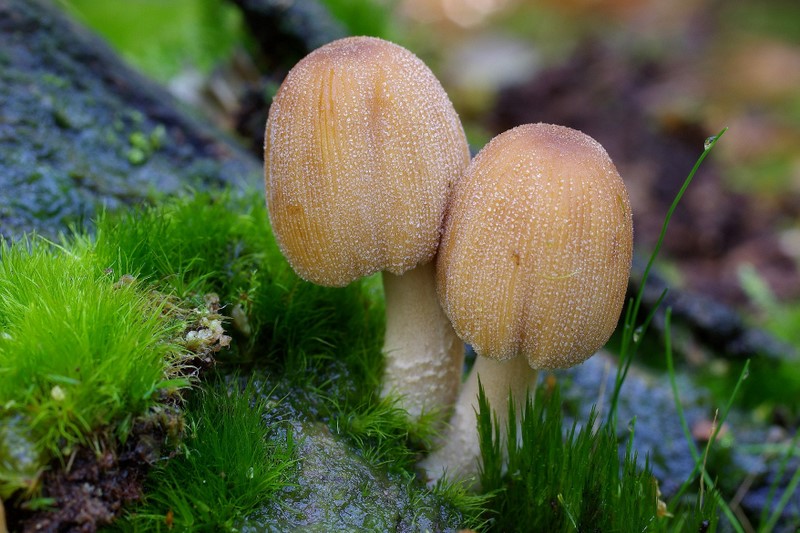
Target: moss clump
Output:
{"points": [[230, 463], [79, 351], [186, 246], [562, 483]]}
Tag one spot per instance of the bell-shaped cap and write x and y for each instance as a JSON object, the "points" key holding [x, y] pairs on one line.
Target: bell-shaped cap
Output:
{"points": [[537, 246], [362, 147]]}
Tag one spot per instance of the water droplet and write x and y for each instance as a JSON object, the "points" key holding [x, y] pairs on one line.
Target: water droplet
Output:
{"points": [[709, 142], [637, 334]]}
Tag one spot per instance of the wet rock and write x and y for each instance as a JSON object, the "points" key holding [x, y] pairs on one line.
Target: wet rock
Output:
{"points": [[80, 130], [647, 407], [338, 490]]}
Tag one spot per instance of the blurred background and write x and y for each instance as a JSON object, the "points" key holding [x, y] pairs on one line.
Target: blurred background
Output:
{"points": [[650, 79]]}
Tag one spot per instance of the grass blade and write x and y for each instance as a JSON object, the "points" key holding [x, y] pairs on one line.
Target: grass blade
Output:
{"points": [[698, 458], [630, 344]]}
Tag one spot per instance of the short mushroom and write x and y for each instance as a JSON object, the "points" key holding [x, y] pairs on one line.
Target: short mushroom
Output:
{"points": [[532, 269], [362, 149]]}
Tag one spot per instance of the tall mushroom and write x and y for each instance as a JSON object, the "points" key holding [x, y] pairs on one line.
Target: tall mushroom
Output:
{"points": [[532, 268], [362, 148]]}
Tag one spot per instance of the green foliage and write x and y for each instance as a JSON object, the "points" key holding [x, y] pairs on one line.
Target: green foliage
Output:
{"points": [[781, 319], [557, 482], [163, 38], [381, 430], [78, 350], [769, 520], [773, 20], [633, 332], [206, 243], [363, 17], [134, 282], [309, 325], [231, 462], [325, 342], [772, 381], [472, 506], [700, 459]]}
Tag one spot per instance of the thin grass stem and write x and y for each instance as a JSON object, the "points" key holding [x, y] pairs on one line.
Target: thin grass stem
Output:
{"points": [[791, 488], [698, 459], [630, 341]]}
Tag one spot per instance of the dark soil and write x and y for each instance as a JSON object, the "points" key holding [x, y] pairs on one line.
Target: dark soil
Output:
{"points": [[93, 488]]}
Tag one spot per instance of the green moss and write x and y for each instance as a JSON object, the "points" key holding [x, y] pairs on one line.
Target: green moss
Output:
{"points": [[324, 342], [61, 117], [54, 80], [381, 430], [230, 463], [557, 483], [141, 145], [78, 349], [184, 246], [322, 345]]}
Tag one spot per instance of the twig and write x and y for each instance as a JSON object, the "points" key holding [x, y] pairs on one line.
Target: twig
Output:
{"points": [[3, 526], [735, 503]]}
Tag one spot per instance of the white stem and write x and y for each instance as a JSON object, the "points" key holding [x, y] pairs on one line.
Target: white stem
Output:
{"points": [[459, 454], [424, 356]]}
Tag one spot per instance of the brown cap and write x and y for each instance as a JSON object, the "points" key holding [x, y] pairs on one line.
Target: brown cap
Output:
{"points": [[537, 246], [361, 149]]}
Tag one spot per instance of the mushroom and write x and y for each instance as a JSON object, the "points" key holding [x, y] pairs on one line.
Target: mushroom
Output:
{"points": [[362, 148], [532, 269]]}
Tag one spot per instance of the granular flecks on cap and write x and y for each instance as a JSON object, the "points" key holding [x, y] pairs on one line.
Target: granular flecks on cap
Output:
{"points": [[536, 249], [362, 146]]}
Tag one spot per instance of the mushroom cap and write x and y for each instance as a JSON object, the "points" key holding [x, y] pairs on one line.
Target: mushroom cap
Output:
{"points": [[537, 245], [362, 147]]}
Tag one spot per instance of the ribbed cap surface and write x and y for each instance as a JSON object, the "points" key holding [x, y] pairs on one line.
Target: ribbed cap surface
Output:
{"points": [[362, 147], [537, 246]]}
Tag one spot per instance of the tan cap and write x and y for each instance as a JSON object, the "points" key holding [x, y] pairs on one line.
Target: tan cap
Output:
{"points": [[537, 246], [361, 149]]}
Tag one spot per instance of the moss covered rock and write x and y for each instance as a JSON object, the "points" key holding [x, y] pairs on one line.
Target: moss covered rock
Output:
{"points": [[79, 129]]}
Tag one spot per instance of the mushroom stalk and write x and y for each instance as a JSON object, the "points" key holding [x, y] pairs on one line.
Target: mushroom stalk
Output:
{"points": [[424, 356], [459, 455], [361, 151], [533, 264]]}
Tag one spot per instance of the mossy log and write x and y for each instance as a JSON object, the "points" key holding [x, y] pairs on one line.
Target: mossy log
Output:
{"points": [[79, 129]]}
